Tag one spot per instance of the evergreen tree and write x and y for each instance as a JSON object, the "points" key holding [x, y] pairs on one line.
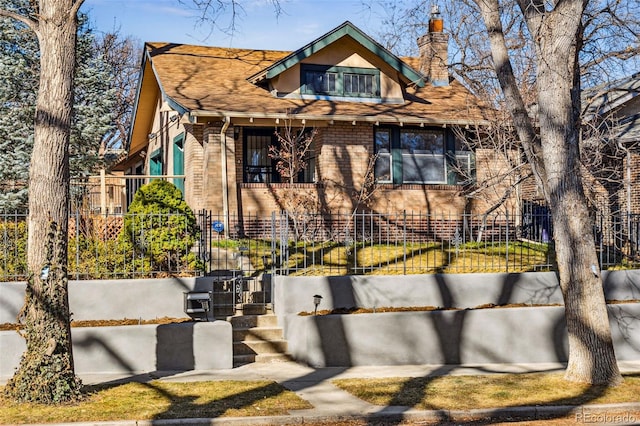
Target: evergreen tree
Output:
{"points": [[94, 99], [93, 104], [18, 72]]}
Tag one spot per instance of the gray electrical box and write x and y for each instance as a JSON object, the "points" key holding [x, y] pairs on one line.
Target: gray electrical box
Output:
{"points": [[197, 304]]}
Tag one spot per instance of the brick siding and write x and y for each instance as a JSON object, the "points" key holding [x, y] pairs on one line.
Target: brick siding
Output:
{"points": [[342, 152]]}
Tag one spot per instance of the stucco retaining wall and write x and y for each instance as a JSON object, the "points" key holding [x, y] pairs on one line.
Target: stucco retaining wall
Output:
{"points": [[535, 334], [466, 336], [136, 349], [501, 335], [113, 299], [153, 298], [295, 294]]}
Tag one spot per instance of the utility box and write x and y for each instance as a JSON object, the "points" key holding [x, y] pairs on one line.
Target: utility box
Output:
{"points": [[197, 304]]}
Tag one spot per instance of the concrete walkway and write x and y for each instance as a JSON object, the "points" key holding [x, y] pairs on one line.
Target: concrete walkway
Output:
{"points": [[334, 405]]}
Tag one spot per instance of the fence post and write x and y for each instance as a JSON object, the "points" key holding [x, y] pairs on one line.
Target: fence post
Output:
{"points": [[507, 241], [103, 193], [601, 237], [77, 245], [404, 242], [273, 242]]}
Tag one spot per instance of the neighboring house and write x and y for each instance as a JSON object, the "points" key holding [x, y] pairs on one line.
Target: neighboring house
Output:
{"points": [[612, 114], [206, 117]]}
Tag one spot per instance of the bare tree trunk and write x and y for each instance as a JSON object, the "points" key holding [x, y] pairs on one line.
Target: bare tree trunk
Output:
{"points": [[46, 372], [554, 158], [591, 355]]}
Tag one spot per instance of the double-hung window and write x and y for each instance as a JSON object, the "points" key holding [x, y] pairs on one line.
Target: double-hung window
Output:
{"points": [[384, 165], [419, 156], [340, 81]]}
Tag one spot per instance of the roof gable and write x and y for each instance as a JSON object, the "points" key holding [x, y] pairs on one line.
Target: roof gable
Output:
{"points": [[606, 98], [346, 29]]}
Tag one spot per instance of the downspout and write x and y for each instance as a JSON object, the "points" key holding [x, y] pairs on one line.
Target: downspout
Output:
{"points": [[225, 177], [628, 182]]}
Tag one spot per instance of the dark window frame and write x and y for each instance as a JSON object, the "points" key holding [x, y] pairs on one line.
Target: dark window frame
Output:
{"points": [[267, 172], [309, 72], [393, 161]]}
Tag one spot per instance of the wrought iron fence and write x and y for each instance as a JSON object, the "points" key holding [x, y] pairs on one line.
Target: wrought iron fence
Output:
{"points": [[403, 242], [111, 246], [102, 247], [376, 243]]}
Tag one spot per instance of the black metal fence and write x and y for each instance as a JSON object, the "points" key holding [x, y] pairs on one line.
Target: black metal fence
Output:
{"points": [[320, 244], [403, 242]]}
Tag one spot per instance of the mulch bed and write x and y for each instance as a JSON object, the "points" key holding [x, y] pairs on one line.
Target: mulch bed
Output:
{"points": [[339, 311], [108, 323]]}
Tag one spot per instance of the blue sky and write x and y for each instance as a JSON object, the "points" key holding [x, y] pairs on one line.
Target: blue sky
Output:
{"points": [[302, 21]]}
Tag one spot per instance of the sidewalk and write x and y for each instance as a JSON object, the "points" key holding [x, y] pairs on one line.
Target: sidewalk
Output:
{"points": [[334, 405]]}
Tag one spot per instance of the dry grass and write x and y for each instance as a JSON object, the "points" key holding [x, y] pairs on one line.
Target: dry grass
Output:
{"points": [[162, 400], [169, 400], [332, 258], [487, 391]]}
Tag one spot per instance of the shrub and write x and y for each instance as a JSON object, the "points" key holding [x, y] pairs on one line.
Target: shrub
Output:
{"points": [[94, 258], [161, 226], [13, 254]]}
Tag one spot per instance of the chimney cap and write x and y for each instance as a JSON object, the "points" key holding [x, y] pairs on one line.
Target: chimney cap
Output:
{"points": [[435, 21]]}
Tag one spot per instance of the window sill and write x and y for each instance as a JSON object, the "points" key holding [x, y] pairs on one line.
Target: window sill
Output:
{"points": [[421, 186], [404, 186], [279, 185]]}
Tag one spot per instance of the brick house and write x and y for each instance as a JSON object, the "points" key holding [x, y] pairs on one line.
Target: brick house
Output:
{"points": [[383, 126], [612, 112]]}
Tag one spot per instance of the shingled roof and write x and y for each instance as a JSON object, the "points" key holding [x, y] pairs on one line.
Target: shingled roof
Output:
{"points": [[214, 82], [346, 30]]}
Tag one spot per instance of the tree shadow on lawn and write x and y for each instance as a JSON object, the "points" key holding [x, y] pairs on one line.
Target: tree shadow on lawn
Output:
{"points": [[250, 402], [413, 391], [188, 406]]}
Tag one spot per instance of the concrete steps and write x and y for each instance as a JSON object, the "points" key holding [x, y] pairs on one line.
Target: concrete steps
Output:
{"points": [[254, 309], [257, 338], [224, 306]]}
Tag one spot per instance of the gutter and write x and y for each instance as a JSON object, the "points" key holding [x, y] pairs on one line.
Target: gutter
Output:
{"points": [[225, 176], [427, 121]]}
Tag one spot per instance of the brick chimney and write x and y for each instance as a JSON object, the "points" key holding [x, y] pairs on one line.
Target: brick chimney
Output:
{"points": [[433, 51]]}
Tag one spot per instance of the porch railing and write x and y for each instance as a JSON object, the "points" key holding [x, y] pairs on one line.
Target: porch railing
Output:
{"points": [[110, 193]]}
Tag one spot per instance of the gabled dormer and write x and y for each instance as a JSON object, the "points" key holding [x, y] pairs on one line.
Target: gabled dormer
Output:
{"points": [[345, 64]]}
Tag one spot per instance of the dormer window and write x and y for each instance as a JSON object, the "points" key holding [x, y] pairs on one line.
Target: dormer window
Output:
{"points": [[340, 81], [321, 82]]}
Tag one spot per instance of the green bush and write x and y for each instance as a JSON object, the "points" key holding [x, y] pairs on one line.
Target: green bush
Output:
{"points": [[93, 258], [13, 255], [161, 227]]}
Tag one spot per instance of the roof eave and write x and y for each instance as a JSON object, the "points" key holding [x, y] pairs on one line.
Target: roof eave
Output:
{"points": [[379, 119]]}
